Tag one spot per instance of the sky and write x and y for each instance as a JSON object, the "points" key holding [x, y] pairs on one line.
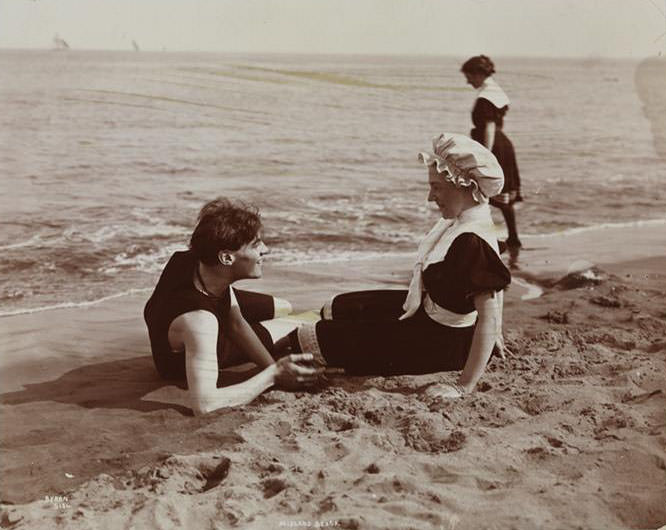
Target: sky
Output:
{"points": [[566, 28]]}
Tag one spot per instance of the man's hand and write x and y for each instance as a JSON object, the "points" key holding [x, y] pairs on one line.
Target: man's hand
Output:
{"points": [[297, 371]]}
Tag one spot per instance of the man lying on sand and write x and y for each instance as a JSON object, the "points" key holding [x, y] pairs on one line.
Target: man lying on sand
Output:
{"points": [[197, 324], [450, 318]]}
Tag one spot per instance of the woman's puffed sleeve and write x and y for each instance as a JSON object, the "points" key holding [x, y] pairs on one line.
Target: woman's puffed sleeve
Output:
{"points": [[470, 267], [479, 268]]}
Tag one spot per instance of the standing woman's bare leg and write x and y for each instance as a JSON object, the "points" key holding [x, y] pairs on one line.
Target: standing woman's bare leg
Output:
{"points": [[509, 215]]}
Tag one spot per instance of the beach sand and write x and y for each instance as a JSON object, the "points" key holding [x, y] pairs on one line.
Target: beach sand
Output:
{"points": [[567, 432]]}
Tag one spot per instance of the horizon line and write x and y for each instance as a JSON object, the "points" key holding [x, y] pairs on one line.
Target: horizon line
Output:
{"points": [[338, 53]]}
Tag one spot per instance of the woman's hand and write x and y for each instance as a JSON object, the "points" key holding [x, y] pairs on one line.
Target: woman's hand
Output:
{"points": [[444, 391], [297, 371], [501, 347]]}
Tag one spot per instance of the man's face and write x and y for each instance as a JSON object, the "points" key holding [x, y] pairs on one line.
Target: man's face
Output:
{"points": [[248, 259]]}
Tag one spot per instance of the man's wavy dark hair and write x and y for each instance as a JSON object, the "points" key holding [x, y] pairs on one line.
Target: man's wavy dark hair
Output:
{"points": [[223, 225]]}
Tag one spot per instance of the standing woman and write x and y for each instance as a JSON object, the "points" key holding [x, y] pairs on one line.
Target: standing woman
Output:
{"points": [[488, 118]]}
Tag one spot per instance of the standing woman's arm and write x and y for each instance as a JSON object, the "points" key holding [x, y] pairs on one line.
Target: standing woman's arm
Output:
{"points": [[489, 135], [482, 114]]}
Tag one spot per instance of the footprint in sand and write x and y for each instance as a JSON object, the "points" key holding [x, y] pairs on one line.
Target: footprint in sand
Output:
{"points": [[339, 422], [440, 474], [535, 404], [426, 433], [272, 486], [538, 453], [337, 450], [187, 474]]}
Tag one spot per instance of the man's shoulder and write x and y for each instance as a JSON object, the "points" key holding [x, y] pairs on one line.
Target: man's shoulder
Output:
{"points": [[180, 258], [197, 320], [177, 270]]}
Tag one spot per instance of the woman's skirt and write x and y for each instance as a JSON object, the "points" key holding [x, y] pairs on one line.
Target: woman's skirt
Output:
{"points": [[364, 336], [506, 156]]}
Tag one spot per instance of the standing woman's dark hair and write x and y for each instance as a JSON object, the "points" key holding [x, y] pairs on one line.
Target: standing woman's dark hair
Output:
{"points": [[479, 64], [488, 118]]}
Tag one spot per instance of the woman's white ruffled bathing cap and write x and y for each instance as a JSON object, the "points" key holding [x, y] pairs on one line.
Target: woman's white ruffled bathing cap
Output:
{"points": [[465, 162]]}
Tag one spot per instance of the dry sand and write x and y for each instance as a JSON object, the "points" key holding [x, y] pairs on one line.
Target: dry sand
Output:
{"points": [[567, 432]]}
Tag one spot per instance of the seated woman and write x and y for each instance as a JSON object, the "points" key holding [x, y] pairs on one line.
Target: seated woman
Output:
{"points": [[198, 324], [450, 318]]}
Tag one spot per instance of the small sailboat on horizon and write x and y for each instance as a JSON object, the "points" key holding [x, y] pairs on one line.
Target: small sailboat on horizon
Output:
{"points": [[59, 43]]}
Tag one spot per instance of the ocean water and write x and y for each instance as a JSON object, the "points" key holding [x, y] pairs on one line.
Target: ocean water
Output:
{"points": [[106, 157]]}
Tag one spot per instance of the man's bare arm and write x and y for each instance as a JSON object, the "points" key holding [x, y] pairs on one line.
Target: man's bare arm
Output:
{"points": [[246, 339], [197, 331]]}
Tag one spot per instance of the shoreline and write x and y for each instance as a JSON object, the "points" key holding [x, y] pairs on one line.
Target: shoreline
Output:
{"points": [[543, 255]]}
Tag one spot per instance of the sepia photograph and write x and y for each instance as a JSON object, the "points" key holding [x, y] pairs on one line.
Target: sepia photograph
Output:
{"points": [[347, 264]]}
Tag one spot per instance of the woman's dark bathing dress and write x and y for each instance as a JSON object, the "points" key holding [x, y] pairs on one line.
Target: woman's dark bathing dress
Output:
{"points": [[365, 337], [482, 113], [490, 107]]}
